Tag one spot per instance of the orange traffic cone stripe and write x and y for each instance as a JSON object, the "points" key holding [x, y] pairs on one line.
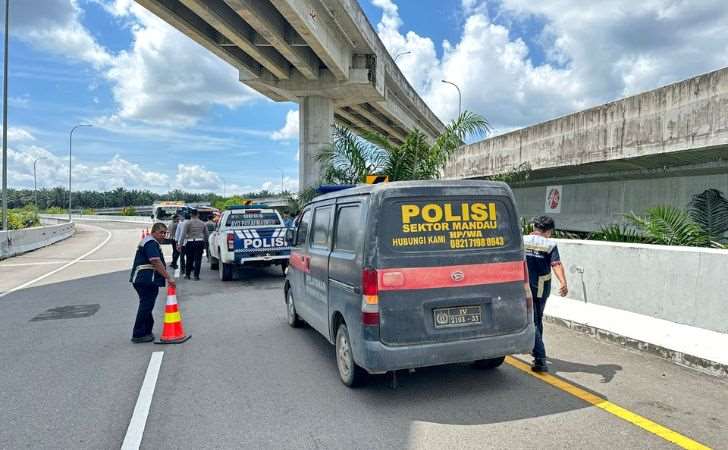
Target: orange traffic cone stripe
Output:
{"points": [[173, 331]]}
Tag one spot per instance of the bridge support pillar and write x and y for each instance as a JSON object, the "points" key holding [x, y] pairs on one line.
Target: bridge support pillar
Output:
{"points": [[316, 118]]}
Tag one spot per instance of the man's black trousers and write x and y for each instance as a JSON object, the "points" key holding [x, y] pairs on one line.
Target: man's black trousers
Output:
{"points": [[193, 251], [175, 253], [144, 320]]}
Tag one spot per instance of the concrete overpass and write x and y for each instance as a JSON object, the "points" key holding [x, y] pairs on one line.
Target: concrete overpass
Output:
{"points": [[323, 54], [659, 147]]}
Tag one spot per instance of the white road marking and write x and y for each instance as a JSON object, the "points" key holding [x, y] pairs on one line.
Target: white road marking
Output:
{"points": [[43, 263], [52, 263], [133, 437], [42, 277]]}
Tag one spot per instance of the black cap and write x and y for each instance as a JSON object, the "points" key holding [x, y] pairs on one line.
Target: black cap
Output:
{"points": [[544, 223]]}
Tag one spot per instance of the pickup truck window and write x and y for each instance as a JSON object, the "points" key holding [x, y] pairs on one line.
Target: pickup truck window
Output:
{"points": [[252, 219]]}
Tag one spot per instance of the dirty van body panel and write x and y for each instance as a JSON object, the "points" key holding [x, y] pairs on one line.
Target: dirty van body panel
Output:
{"points": [[345, 265], [298, 265], [316, 280], [450, 263]]}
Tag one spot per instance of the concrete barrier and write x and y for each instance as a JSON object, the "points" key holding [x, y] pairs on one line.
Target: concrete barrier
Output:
{"points": [[15, 242], [685, 285]]}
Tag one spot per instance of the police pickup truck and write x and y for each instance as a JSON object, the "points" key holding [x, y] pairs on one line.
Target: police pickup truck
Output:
{"points": [[251, 235]]}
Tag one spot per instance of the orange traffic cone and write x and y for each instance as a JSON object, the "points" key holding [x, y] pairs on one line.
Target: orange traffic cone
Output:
{"points": [[173, 332]]}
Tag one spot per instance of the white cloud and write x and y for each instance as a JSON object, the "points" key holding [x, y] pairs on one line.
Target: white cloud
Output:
{"points": [[594, 52], [194, 177], [17, 135], [290, 128], [57, 29], [289, 184], [167, 78], [52, 170], [164, 78]]}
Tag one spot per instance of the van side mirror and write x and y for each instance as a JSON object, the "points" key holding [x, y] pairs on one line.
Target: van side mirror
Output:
{"points": [[290, 235], [152, 216]]}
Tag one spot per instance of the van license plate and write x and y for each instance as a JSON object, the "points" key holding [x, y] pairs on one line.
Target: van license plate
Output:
{"points": [[458, 316]]}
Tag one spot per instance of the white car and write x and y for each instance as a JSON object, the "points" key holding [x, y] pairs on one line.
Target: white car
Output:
{"points": [[248, 235]]}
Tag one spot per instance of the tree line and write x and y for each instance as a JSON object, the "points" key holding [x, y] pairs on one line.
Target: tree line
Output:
{"points": [[118, 198]]}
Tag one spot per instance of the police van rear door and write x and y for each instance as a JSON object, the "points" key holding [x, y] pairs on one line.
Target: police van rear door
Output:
{"points": [[450, 265]]}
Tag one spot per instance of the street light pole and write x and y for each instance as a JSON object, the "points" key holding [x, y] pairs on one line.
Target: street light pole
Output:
{"points": [[460, 97], [70, 155], [5, 118], [281, 180], [400, 54], [35, 183]]}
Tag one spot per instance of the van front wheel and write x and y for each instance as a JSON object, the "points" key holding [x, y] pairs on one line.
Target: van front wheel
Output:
{"points": [[294, 321], [349, 373], [486, 364]]}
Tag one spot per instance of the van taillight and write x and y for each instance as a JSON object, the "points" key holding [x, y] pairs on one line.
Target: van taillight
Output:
{"points": [[370, 297], [529, 296], [231, 241]]}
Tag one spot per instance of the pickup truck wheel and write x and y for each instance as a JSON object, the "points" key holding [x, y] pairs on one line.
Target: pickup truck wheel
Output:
{"points": [[487, 364], [291, 316], [225, 271], [214, 263], [349, 373]]}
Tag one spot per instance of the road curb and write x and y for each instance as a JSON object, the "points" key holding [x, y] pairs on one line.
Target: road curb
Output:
{"points": [[683, 359]]}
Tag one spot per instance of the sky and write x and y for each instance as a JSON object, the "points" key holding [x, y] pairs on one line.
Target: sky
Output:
{"points": [[167, 114]]}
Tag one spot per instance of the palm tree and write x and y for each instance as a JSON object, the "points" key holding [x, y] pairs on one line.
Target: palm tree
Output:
{"points": [[351, 158]]}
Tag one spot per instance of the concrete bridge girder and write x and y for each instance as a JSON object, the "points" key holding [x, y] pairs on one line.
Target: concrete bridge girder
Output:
{"points": [[320, 53]]}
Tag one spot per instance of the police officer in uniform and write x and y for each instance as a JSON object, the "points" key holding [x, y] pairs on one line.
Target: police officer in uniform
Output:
{"points": [[195, 240], [542, 255], [173, 240], [148, 274], [179, 237]]}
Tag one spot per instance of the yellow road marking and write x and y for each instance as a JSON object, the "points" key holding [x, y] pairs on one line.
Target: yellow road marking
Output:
{"points": [[624, 414]]}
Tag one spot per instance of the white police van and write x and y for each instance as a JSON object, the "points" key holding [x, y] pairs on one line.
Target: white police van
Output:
{"points": [[251, 235]]}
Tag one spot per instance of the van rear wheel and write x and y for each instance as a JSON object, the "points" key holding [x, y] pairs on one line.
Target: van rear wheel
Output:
{"points": [[349, 373], [486, 364]]}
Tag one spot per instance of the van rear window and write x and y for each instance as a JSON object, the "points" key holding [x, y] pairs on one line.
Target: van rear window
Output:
{"points": [[455, 223]]}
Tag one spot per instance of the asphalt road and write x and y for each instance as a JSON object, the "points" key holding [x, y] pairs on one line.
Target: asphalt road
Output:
{"points": [[247, 380]]}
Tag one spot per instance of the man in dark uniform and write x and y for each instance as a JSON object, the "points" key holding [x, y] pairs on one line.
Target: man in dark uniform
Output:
{"points": [[542, 255], [148, 274]]}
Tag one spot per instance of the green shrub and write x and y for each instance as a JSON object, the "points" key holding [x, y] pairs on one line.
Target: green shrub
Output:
{"points": [[128, 211], [89, 212], [22, 218]]}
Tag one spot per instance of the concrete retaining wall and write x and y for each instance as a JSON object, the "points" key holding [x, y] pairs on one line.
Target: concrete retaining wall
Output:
{"points": [[15, 242], [588, 206], [681, 284]]}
